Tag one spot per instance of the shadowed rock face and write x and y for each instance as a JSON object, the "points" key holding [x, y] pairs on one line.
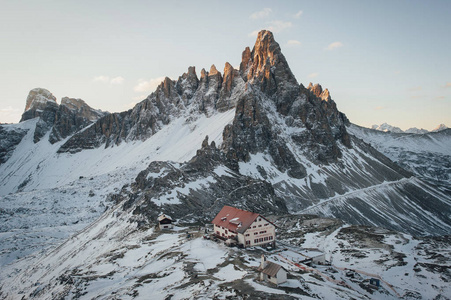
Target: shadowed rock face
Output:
{"points": [[64, 120], [72, 116], [40, 103], [269, 79], [218, 189]]}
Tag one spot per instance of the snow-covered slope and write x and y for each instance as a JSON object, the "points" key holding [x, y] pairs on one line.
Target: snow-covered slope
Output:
{"points": [[426, 155], [45, 197], [115, 257]]}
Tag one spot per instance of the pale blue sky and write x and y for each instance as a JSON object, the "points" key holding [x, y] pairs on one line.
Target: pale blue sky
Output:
{"points": [[383, 61]]}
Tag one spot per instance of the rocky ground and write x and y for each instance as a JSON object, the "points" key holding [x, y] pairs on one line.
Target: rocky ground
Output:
{"points": [[117, 259]]}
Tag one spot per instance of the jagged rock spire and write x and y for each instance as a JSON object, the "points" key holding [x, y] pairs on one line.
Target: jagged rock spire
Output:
{"points": [[266, 65]]}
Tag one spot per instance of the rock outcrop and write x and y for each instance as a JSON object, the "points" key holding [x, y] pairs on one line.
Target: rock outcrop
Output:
{"points": [[40, 103], [72, 115], [64, 120], [317, 125]]}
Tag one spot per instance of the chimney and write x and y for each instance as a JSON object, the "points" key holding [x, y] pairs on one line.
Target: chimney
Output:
{"points": [[263, 262]]}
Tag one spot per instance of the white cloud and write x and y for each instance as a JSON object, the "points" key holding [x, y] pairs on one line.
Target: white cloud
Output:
{"points": [[298, 14], [261, 14], [278, 26], [117, 80], [334, 45], [448, 84], [313, 75], [107, 79], [148, 85], [101, 78], [293, 42], [274, 26], [9, 114]]}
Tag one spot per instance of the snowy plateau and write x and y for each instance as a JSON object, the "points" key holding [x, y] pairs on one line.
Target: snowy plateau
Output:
{"points": [[81, 190]]}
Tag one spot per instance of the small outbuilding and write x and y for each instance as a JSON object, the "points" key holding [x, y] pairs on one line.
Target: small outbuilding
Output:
{"points": [[165, 222], [375, 282], [272, 272]]}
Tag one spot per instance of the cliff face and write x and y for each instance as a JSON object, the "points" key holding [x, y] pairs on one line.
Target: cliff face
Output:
{"points": [[63, 120], [309, 113]]}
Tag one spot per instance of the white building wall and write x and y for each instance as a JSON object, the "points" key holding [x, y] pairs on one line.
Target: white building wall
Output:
{"points": [[259, 230], [281, 276], [223, 232]]}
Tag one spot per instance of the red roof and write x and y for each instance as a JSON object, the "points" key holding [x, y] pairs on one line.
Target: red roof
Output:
{"points": [[234, 219]]}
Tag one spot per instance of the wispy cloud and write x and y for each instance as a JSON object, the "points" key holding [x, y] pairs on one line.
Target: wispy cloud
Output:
{"points": [[439, 98], [313, 75], [261, 14], [448, 85], [379, 107], [101, 78], [293, 43], [298, 14], [334, 45], [117, 80], [106, 79], [9, 114], [278, 26], [274, 26], [148, 85]]}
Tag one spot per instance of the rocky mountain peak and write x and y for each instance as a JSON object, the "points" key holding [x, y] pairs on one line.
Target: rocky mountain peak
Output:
{"points": [[73, 103], [266, 65], [213, 70], [440, 128], [39, 96], [40, 103]]}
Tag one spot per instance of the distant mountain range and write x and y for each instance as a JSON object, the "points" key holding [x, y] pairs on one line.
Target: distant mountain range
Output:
{"points": [[389, 128]]}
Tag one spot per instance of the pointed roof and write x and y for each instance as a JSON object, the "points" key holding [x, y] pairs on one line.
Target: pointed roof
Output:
{"points": [[271, 269], [234, 219], [163, 216]]}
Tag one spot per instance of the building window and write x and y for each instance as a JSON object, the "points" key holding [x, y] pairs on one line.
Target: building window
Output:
{"points": [[255, 233], [248, 242], [259, 219], [260, 225], [217, 232], [270, 237], [266, 224], [266, 238], [264, 231], [255, 241], [226, 231], [247, 234], [254, 226]]}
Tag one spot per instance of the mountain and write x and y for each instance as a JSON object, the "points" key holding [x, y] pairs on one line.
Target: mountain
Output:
{"points": [[440, 128], [415, 130], [427, 155], [386, 127], [389, 128], [254, 138], [64, 120]]}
